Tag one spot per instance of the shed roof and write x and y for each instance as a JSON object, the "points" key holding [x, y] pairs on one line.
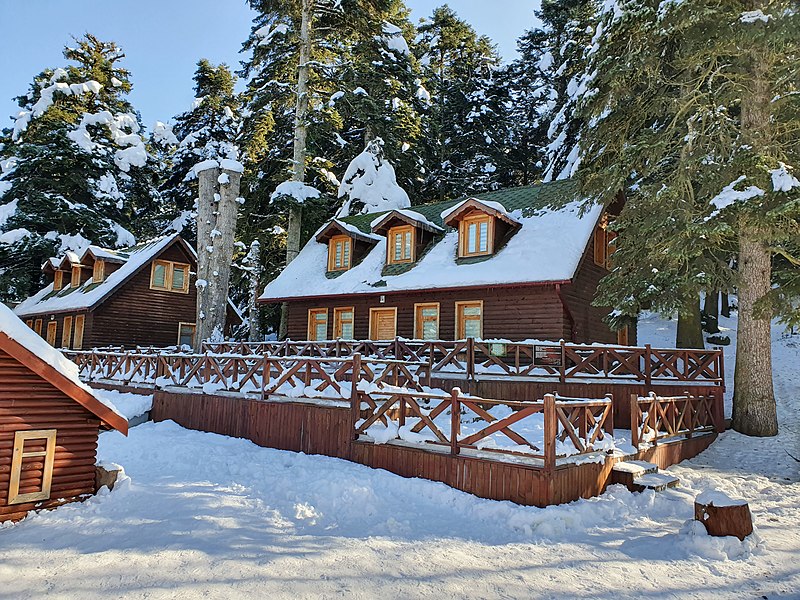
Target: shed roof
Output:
{"points": [[29, 349], [554, 233]]}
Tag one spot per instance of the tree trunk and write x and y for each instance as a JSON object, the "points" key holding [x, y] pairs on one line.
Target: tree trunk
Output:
{"points": [[690, 329], [754, 410], [293, 228], [725, 309], [217, 211], [711, 310], [254, 263]]}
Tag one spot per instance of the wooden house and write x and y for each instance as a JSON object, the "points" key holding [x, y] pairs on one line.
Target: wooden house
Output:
{"points": [[502, 265], [143, 295], [49, 424]]}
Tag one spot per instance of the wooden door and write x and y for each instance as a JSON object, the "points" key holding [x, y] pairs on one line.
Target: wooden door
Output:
{"points": [[383, 323], [51, 332]]}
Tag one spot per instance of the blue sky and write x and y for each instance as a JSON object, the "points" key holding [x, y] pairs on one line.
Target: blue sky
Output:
{"points": [[163, 40]]}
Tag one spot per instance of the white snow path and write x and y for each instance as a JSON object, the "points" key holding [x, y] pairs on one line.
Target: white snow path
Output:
{"points": [[205, 515]]}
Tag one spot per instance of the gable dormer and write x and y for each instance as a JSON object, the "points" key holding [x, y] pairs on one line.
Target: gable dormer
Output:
{"points": [[407, 233], [101, 263], [70, 271], [347, 245], [482, 226], [52, 270]]}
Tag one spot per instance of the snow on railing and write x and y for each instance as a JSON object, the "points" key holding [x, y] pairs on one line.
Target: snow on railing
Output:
{"points": [[657, 418]]}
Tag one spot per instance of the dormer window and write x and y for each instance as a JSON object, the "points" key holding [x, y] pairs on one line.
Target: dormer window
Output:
{"points": [[58, 280], [476, 233], [76, 277], [339, 253], [99, 271], [400, 245]]}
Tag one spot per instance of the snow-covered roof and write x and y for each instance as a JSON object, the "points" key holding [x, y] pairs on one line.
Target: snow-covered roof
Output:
{"points": [[495, 206], [25, 338], [547, 248], [89, 294], [410, 216]]}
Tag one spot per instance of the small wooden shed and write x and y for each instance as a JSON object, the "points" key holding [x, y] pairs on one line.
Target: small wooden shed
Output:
{"points": [[49, 424]]}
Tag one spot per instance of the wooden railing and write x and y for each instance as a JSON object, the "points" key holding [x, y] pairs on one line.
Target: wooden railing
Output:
{"points": [[656, 418], [485, 358], [545, 429]]}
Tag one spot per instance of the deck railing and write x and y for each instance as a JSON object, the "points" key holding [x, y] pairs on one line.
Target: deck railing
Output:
{"points": [[501, 359], [656, 418]]}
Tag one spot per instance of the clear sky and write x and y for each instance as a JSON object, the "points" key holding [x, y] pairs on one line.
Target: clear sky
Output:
{"points": [[164, 39]]}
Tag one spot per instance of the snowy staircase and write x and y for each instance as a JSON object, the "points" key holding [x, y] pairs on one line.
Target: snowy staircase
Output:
{"points": [[638, 476]]}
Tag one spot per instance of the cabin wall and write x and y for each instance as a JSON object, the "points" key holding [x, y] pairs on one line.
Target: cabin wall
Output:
{"points": [[28, 402], [512, 313]]}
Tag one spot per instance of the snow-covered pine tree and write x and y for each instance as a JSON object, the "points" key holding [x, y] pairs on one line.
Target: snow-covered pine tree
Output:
{"points": [[369, 184], [698, 103], [81, 172], [208, 130], [466, 125]]}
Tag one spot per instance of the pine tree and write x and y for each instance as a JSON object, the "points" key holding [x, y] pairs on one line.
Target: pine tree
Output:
{"points": [[698, 124], [82, 171], [208, 130]]}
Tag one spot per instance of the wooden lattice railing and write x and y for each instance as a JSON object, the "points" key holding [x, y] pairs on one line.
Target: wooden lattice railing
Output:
{"points": [[656, 418]]}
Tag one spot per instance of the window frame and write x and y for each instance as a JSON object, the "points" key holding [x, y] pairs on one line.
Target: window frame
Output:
{"points": [[400, 230], [29, 323], [18, 456], [373, 322], [37, 326], [98, 271], [75, 278], [348, 241], [52, 326], [58, 280], [463, 235], [312, 324], [623, 336], [66, 332], [182, 324], [77, 336], [337, 321], [169, 271], [419, 319], [460, 328]]}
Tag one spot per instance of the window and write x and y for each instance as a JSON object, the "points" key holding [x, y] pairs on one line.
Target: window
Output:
{"points": [[66, 332], [426, 321], [29, 323], [169, 276], [469, 319], [30, 448], [37, 326], [604, 244], [622, 336], [77, 339], [475, 235], [76, 277], [343, 323], [318, 324], [58, 280], [99, 271], [186, 334], [382, 323], [339, 250], [400, 245], [51, 332]]}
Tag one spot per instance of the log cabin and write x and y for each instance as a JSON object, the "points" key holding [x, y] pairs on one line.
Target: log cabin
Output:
{"points": [[515, 264], [49, 424], [142, 295]]}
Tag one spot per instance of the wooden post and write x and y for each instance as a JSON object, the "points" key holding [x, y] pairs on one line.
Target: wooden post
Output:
{"points": [[609, 422], [563, 368], [635, 421], [470, 358], [550, 432], [355, 399], [264, 376], [648, 374], [455, 419]]}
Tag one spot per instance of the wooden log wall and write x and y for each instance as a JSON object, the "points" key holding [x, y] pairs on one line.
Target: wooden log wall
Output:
{"points": [[327, 430], [27, 403]]}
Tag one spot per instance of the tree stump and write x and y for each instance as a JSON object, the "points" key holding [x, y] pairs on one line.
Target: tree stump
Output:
{"points": [[722, 515]]}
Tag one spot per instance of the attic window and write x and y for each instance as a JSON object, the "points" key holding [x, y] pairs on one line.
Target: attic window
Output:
{"points": [[58, 280], [476, 235], [169, 276], [400, 246], [604, 245], [339, 253], [76, 277], [99, 271]]}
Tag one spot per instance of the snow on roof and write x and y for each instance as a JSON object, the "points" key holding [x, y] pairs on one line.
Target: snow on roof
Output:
{"points": [[411, 214], [89, 293], [488, 203], [15, 329], [547, 248], [106, 254]]}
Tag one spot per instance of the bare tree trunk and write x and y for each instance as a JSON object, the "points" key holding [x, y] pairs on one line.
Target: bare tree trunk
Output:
{"points": [[754, 410], [690, 329], [254, 264], [711, 310], [293, 228], [725, 309], [217, 211]]}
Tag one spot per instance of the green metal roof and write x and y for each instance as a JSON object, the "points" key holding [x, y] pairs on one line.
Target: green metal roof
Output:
{"points": [[528, 199]]}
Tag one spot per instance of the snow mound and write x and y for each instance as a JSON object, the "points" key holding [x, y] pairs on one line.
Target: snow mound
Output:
{"points": [[370, 184], [296, 190]]}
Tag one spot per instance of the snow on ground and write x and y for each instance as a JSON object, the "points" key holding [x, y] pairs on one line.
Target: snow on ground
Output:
{"points": [[206, 515]]}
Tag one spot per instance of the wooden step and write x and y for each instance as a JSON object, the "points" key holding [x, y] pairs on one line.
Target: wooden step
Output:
{"points": [[625, 472], [654, 481]]}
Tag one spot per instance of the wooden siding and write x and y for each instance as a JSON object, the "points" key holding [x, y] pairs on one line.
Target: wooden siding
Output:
{"points": [[514, 313], [28, 402], [315, 429]]}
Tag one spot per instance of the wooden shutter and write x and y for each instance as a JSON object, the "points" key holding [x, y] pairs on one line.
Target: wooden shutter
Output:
{"points": [[52, 326], [77, 339], [66, 332], [383, 323]]}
